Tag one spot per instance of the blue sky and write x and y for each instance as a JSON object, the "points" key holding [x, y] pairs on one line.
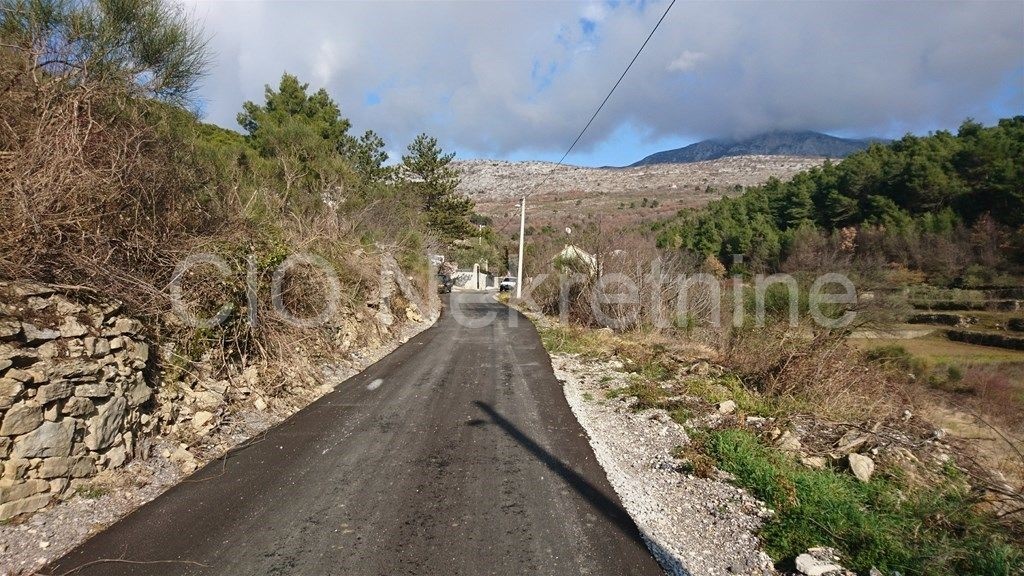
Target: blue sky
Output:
{"points": [[517, 80]]}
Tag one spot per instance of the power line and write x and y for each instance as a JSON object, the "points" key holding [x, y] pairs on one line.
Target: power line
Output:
{"points": [[617, 82], [607, 97]]}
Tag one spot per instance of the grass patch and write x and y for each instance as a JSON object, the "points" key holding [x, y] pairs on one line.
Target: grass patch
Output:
{"points": [[881, 523], [91, 491]]}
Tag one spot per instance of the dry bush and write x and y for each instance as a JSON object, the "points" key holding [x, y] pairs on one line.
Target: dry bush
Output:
{"points": [[95, 189], [819, 370]]}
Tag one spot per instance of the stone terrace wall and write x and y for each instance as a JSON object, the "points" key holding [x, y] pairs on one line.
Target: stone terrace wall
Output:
{"points": [[73, 393]]}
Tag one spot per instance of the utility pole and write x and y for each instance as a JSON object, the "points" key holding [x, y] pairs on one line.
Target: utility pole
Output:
{"points": [[522, 240]]}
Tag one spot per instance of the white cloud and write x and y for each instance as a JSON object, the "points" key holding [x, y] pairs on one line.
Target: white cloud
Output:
{"points": [[466, 71], [686, 61]]}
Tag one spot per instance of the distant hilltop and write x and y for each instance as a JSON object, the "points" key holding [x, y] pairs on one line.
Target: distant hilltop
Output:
{"points": [[782, 143]]}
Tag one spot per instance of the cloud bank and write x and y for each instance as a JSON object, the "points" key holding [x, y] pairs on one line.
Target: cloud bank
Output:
{"points": [[509, 78]]}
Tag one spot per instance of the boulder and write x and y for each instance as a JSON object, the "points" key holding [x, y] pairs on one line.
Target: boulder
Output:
{"points": [[21, 419], [862, 466], [50, 439], [104, 426]]}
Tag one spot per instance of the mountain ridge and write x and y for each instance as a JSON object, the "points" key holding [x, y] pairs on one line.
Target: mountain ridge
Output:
{"points": [[806, 143]]}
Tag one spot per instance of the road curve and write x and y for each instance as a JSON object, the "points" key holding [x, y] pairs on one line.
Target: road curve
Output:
{"points": [[457, 454]]}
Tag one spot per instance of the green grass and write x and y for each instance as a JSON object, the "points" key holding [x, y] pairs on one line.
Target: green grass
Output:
{"points": [[881, 523], [91, 491]]}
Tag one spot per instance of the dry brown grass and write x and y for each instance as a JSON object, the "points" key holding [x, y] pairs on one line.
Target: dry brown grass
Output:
{"points": [[94, 190], [821, 371]]}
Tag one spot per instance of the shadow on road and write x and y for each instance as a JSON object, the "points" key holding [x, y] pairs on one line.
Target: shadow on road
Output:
{"points": [[598, 500]]}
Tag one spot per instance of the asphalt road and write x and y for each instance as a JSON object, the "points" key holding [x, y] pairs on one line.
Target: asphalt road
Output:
{"points": [[457, 454]]}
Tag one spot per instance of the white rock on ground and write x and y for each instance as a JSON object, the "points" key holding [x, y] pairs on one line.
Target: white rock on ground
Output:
{"points": [[819, 562], [862, 466], [694, 526]]}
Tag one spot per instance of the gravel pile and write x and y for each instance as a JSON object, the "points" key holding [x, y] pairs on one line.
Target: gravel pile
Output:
{"points": [[694, 526]]}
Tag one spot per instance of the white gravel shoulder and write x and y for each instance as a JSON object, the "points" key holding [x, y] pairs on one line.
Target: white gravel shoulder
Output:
{"points": [[694, 526]]}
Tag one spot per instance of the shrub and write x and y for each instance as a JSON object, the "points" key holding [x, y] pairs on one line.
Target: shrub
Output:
{"points": [[882, 523]]}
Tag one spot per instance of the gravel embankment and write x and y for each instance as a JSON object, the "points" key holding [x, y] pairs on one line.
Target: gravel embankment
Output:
{"points": [[695, 526]]}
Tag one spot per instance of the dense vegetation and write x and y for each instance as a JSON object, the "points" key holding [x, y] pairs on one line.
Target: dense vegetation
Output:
{"points": [[109, 179], [951, 206]]}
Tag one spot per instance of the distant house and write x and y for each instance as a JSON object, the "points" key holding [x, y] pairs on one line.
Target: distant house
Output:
{"points": [[575, 259], [473, 279]]}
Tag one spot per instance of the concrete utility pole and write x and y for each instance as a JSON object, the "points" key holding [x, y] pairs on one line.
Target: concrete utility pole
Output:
{"points": [[522, 240]]}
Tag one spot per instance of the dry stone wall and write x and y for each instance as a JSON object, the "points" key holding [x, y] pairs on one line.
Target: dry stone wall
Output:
{"points": [[74, 399]]}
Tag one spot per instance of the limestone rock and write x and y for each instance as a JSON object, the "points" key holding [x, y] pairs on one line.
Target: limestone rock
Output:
{"points": [[184, 459], [814, 462], [11, 490], [862, 466], [814, 563], [10, 389], [34, 334], [16, 468], [23, 506], [81, 466], [21, 419], [54, 467], [104, 426], [852, 441], [9, 329], [124, 326], [47, 441], [788, 442], [138, 393], [116, 456], [78, 407], [201, 419], [92, 391], [207, 400], [260, 404], [56, 391], [726, 407], [72, 328], [139, 352]]}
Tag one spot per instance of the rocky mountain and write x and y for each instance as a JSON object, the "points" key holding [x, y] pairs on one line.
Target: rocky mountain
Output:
{"points": [[498, 180], [561, 194], [784, 143]]}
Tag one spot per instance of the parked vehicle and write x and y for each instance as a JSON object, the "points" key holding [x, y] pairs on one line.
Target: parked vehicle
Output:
{"points": [[507, 284]]}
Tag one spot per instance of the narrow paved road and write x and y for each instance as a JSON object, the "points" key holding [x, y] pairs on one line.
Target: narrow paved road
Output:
{"points": [[455, 455]]}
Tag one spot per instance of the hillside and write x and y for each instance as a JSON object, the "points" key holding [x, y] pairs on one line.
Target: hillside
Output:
{"points": [[626, 195], [780, 143]]}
